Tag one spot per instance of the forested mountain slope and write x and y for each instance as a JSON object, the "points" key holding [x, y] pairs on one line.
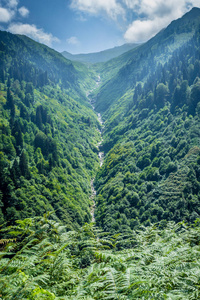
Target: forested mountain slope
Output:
{"points": [[121, 75], [151, 172], [146, 244], [151, 134], [48, 140], [48, 62]]}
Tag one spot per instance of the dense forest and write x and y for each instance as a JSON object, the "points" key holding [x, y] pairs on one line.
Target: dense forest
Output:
{"points": [[48, 139], [144, 241], [152, 169]]}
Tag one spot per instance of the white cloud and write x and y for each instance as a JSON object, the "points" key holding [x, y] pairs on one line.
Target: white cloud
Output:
{"points": [[33, 32], [12, 3], [5, 15], [195, 3], [7, 10], [131, 3], [111, 7], [24, 12], [73, 40], [153, 15], [157, 8], [142, 30], [150, 15]]}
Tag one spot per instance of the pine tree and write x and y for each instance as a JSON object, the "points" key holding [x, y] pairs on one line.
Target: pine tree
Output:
{"points": [[10, 104], [39, 117], [23, 165], [17, 133], [15, 171], [2, 76], [8, 82]]}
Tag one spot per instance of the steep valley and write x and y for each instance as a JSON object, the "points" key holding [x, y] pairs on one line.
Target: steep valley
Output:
{"points": [[100, 170]]}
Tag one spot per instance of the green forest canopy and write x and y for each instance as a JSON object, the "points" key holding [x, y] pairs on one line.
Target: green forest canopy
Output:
{"points": [[146, 245]]}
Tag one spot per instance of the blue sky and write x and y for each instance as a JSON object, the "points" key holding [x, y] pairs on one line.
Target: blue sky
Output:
{"points": [[83, 26]]}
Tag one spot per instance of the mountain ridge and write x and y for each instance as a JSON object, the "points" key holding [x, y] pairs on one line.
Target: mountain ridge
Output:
{"points": [[123, 78], [101, 56], [49, 60]]}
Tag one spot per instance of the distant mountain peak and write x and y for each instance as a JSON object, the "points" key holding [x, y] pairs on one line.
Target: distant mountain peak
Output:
{"points": [[101, 56], [195, 9]]}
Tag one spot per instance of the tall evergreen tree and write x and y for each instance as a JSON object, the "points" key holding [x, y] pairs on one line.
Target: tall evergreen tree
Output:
{"points": [[23, 165]]}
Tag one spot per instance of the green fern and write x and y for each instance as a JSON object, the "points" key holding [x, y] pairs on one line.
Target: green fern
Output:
{"points": [[45, 260]]}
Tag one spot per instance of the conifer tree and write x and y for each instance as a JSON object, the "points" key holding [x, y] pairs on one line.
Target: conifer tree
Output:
{"points": [[23, 165], [39, 117]]}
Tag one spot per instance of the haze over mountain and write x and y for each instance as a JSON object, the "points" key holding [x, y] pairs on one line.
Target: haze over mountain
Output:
{"points": [[144, 200], [139, 63], [101, 56]]}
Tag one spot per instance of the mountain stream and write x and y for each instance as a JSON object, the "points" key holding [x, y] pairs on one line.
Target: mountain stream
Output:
{"points": [[100, 154]]}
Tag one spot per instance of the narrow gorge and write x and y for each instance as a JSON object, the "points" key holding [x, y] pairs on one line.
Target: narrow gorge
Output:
{"points": [[100, 153], [142, 193]]}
